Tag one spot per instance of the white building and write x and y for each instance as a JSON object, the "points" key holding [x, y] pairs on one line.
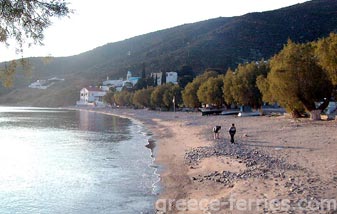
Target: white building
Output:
{"points": [[130, 79], [117, 84], [91, 96], [44, 84], [39, 84], [171, 77], [157, 77]]}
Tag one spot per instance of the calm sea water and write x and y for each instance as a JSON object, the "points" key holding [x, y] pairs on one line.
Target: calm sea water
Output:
{"points": [[58, 161]]}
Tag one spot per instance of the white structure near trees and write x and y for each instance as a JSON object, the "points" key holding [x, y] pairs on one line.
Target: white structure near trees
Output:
{"points": [[130, 80], [171, 77], [91, 96], [44, 84], [117, 84]]}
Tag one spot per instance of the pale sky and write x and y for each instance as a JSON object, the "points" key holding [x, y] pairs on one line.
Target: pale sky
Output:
{"points": [[95, 23]]}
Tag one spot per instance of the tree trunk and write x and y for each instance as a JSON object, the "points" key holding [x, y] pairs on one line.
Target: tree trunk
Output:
{"points": [[315, 114], [295, 114]]}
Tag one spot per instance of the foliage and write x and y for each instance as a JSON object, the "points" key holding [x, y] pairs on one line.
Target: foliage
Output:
{"points": [[219, 42], [326, 52], [162, 96], [228, 86], [110, 96], [263, 86], [142, 98], [25, 22], [142, 83], [189, 94], [123, 98], [211, 92], [243, 88], [163, 77], [296, 80], [185, 75], [172, 96]]}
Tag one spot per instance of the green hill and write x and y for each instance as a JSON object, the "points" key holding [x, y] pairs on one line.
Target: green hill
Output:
{"points": [[215, 43]]}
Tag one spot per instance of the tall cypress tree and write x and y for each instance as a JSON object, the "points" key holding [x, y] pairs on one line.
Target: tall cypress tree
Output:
{"points": [[163, 77]]}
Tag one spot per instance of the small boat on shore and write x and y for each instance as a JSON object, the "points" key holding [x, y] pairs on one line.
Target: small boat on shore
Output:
{"points": [[230, 112], [210, 111]]}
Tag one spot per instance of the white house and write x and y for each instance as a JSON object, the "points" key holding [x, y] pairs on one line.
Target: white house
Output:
{"points": [[171, 77], [157, 77], [91, 96], [44, 84], [117, 84], [39, 84]]}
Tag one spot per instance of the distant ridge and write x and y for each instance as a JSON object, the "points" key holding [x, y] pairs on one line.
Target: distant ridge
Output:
{"points": [[215, 43]]}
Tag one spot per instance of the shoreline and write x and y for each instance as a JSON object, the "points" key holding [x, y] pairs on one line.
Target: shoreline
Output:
{"points": [[275, 158]]}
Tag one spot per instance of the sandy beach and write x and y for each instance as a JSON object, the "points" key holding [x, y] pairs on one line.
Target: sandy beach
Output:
{"points": [[278, 164]]}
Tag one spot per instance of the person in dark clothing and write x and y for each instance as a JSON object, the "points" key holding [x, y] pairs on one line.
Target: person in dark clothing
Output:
{"points": [[216, 130], [232, 131]]}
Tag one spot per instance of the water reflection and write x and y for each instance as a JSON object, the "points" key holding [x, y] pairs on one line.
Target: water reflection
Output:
{"points": [[55, 161]]}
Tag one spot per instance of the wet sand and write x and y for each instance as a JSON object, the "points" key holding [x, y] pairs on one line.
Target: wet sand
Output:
{"points": [[279, 165]]}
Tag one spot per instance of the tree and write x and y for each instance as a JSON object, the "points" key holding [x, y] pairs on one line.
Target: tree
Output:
{"points": [[189, 94], [162, 96], [297, 82], [211, 92], [263, 85], [326, 51], [227, 87], [109, 97], [157, 96], [173, 92], [142, 83], [185, 75], [142, 98], [243, 89], [143, 71], [25, 22], [163, 77], [123, 98]]}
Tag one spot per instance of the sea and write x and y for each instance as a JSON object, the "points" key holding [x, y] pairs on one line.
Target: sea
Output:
{"points": [[67, 161]]}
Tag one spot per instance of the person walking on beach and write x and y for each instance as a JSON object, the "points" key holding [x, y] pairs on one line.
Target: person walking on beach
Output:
{"points": [[216, 130], [232, 131]]}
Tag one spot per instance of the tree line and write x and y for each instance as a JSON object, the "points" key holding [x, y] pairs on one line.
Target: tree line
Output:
{"points": [[302, 78]]}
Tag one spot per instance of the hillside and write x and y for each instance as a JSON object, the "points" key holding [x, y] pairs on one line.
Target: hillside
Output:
{"points": [[215, 43]]}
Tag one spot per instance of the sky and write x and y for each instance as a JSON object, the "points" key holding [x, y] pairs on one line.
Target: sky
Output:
{"points": [[95, 23]]}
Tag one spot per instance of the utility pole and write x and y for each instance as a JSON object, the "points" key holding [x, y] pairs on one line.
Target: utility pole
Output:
{"points": [[174, 103]]}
